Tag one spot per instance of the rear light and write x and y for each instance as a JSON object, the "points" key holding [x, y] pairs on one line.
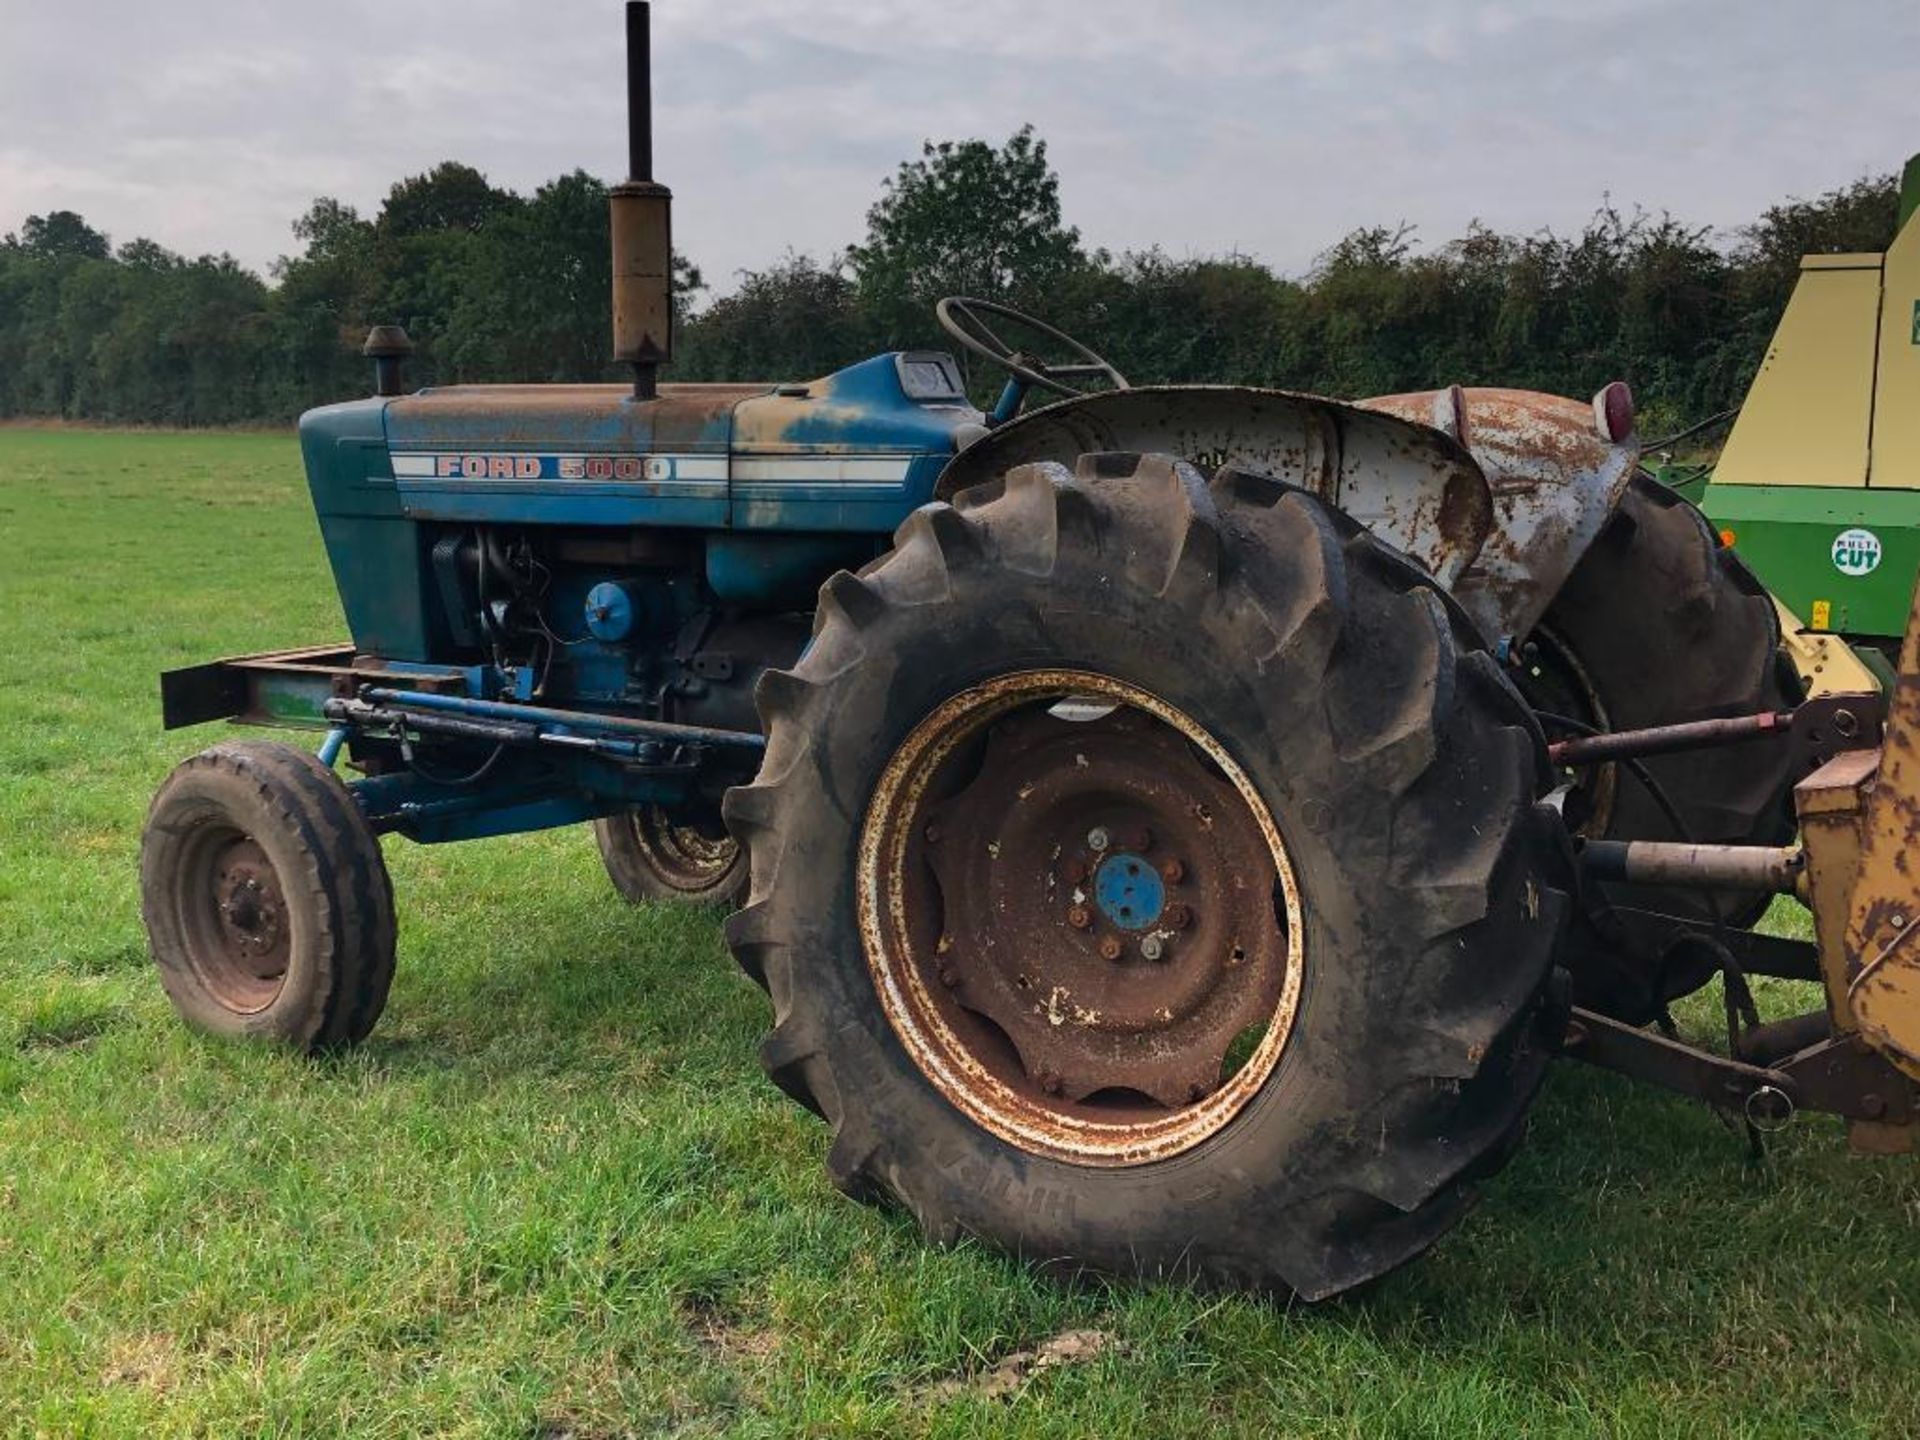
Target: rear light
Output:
{"points": [[1727, 538], [1613, 412]]}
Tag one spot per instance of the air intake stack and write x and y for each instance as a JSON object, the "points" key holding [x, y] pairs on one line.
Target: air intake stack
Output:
{"points": [[640, 213]]}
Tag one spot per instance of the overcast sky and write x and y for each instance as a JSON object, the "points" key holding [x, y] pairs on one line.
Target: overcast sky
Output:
{"points": [[1204, 126]]}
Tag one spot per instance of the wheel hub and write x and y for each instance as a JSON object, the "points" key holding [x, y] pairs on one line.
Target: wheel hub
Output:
{"points": [[700, 852], [1092, 932], [250, 937], [1128, 891], [688, 856]]}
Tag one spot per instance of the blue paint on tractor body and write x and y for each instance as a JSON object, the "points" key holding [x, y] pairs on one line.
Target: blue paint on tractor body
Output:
{"points": [[649, 523], [840, 458], [1128, 891], [609, 612]]}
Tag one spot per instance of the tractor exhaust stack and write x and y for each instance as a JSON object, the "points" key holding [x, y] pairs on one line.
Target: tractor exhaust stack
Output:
{"points": [[640, 215]]}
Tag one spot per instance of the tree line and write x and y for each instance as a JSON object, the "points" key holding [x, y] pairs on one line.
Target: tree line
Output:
{"points": [[497, 286]]}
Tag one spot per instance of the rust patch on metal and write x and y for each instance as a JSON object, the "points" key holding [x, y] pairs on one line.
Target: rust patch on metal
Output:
{"points": [[1663, 739], [1413, 485], [1105, 1045], [1555, 478], [686, 857], [235, 901], [1885, 908], [684, 417]]}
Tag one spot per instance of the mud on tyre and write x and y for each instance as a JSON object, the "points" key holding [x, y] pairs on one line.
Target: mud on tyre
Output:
{"points": [[1118, 690]]}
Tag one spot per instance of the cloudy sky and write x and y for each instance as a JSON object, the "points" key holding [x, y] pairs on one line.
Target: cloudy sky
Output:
{"points": [[1264, 126]]}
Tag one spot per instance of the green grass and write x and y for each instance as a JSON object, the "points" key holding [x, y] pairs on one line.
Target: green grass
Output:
{"points": [[553, 1195]]}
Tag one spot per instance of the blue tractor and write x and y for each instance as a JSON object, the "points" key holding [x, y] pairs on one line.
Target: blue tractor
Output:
{"points": [[1136, 804]]}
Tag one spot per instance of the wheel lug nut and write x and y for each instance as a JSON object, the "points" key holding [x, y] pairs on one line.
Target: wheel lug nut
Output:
{"points": [[1049, 1082], [1079, 918], [1098, 839], [1142, 838], [1152, 948], [1110, 948], [932, 832], [1179, 916], [1076, 871], [949, 977], [1173, 872]]}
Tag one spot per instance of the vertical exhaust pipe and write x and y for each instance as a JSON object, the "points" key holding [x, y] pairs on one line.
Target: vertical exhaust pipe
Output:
{"points": [[640, 214]]}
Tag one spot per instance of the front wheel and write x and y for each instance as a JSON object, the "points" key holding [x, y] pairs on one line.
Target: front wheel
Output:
{"points": [[650, 854], [266, 899], [1147, 876]]}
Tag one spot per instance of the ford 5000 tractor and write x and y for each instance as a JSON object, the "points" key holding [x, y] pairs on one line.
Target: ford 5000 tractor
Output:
{"points": [[1176, 827]]}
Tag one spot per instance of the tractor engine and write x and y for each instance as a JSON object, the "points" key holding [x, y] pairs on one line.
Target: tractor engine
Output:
{"points": [[622, 621]]}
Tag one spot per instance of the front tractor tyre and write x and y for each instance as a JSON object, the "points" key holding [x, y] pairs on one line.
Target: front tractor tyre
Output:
{"points": [[1147, 875], [651, 854], [266, 899]]}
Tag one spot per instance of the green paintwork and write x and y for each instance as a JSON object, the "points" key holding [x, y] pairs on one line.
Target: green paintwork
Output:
{"points": [[1686, 478], [293, 700], [1875, 659], [1786, 534]]}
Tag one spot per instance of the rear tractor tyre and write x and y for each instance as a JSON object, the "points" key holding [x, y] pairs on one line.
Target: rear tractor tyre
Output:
{"points": [[1658, 624], [652, 855], [266, 899], [1147, 875]]}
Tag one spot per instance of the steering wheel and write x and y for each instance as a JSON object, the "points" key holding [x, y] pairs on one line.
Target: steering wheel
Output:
{"points": [[964, 320]]}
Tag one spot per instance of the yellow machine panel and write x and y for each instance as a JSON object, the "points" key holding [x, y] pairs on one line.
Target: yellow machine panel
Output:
{"points": [[1896, 410], [1809, 416], [1826, 663]]}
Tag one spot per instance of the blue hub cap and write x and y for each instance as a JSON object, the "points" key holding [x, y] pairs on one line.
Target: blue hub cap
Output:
{"points": [[1128, 891], [609, 612]]}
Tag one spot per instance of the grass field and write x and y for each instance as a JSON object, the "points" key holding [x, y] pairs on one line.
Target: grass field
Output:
{"points": [[554, 1197]]}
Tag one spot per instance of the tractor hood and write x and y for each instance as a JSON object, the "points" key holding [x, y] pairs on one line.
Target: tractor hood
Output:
{"points": [[853, 450]]}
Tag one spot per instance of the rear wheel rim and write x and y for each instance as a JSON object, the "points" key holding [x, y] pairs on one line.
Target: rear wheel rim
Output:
{"points": [[235, 916], [1080, 918]]}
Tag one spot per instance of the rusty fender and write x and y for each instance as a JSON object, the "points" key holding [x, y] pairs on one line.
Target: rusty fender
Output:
{"points": [[1415, 487], [1497, 492], [1557, 469]]}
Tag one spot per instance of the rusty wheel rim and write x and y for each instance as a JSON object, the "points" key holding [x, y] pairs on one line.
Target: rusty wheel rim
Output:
{"points": [[684, 856], [1080, 917], [237, 917]]}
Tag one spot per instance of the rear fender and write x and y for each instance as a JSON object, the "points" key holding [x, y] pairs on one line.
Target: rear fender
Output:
{"points": [[1414, 487], [1556, 474], [1498, 493]]}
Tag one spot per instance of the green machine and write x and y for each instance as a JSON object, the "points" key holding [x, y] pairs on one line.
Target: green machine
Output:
{"points": [[1818, 487]]}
